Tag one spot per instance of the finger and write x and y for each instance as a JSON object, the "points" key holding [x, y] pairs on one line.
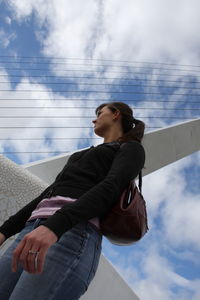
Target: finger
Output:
{"points": [[40, 260], [32, 260], [25, 257], [16, 255]]}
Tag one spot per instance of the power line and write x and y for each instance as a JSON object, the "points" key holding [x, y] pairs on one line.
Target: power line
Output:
{"points": [[29, 152], [86, 71], [102, 66], [98, 78], [102, 100], [41, 139], [99, 92], [86, 59], [83, 117], [110, 84], [63, 107], [52, 127]]}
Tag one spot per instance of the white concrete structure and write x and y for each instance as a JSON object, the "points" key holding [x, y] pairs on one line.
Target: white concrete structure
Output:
{"points": [[163, 147], [20, 184]]}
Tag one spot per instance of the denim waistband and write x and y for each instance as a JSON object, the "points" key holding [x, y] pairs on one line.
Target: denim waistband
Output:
{"points": [[89, 225], [95, 228]]}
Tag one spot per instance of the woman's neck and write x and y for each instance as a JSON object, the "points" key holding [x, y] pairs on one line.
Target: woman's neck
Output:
{"points": [[112, 137]]}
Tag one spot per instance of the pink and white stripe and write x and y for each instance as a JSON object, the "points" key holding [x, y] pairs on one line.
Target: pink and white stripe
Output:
{"points": [[48, 206]]}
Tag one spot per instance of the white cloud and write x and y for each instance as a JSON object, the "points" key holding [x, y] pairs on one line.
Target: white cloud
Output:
{"points": [[152, 276], [21, 8], [8, 20], [172, 200], [6, 38], [134, 30], [182, 218], [155, 277]]}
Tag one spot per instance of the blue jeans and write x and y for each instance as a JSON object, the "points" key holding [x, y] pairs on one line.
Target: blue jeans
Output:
{"points": [[70, 266]]}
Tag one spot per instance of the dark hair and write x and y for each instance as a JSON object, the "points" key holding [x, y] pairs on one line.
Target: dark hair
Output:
{"points": [[128, 121]]}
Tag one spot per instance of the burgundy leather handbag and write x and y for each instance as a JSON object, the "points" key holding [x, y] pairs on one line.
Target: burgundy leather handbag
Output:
{"points": [[126, 223]]}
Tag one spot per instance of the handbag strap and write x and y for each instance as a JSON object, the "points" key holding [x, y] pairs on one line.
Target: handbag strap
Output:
{"points": [[140, 181], [140, 175]]}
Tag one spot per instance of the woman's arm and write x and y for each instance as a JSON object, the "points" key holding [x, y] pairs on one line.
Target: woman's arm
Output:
{"points": [[128, 162], [17, 221]]}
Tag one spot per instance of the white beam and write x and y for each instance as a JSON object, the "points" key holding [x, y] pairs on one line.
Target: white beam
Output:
{"points": [[170, 144], [163, 146]]}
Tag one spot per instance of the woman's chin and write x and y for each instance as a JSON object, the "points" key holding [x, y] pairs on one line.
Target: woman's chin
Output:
{"points": [[98, 132]]}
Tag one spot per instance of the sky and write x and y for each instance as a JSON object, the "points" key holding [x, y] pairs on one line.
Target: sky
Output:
{"points": [[60, 59]]}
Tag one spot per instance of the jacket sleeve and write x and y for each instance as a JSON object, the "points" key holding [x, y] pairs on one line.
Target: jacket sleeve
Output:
{"points": [[127, 163], [17, 221]]}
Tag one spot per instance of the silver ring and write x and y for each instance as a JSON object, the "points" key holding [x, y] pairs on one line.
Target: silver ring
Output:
{"points": [[33, 252]]}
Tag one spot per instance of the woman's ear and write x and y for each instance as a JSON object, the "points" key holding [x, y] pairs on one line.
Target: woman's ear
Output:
{"points": [[117, 115]]}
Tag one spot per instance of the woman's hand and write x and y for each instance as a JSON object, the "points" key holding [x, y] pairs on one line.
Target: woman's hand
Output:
{"points": [[38, 241], [2, 238]]}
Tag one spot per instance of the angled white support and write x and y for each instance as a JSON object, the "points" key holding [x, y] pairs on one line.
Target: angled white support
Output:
{"points": [[170, 144], [163, 147]]}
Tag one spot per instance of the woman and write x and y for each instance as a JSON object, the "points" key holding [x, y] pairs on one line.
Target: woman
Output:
{"points": [[56, 254]]}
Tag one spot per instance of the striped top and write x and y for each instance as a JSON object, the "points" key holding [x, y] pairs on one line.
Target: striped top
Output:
{"points": [[48, 206]]}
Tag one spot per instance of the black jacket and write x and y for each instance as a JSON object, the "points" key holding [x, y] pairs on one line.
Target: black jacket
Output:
{"points": [[96, 177]]}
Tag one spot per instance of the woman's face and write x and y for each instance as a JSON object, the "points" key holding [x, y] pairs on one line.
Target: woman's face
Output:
{"points": [[103, 121]]}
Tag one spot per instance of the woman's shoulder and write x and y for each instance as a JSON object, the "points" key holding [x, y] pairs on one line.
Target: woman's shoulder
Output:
{"points": [[133, 149], [132, 144], [123, 146]]}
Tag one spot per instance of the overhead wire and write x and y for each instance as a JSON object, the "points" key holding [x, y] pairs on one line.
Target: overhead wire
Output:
{"points": [[97, 65], [97, 84], [102, 92], [112, 66], [92, 100], [95, 78], [52, 127], [85, 117], [53, 138], [86, 71], [73, 107], [95, 59], [109, 84], [30, 152]]}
